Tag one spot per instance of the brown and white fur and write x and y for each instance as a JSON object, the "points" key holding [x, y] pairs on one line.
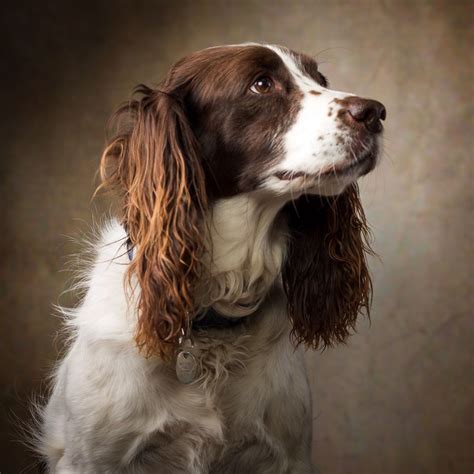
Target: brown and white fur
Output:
{"points": [[237, 179]]}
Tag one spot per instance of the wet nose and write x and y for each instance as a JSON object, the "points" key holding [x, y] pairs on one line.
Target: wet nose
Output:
{"points": [[366, 112]]}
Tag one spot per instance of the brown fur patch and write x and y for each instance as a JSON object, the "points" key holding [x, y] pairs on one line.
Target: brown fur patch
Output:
{"points": [[326, 276], [154, 165]]}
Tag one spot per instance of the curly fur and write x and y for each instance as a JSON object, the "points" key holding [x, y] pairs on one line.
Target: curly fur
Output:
{"points": [[155, 167], [326, 276]]}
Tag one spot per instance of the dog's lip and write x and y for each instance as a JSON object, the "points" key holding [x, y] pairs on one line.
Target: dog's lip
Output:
{"points": [[328, 171]]}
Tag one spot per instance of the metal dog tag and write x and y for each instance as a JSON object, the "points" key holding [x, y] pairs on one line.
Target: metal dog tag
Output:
{"points": [[187, 367]]}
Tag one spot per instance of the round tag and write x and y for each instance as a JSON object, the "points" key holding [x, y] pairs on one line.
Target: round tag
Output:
{"points": [[186, 367]]}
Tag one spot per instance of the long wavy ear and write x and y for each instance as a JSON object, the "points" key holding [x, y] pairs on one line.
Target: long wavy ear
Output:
{"points": [[155, 165], [325, 275]]}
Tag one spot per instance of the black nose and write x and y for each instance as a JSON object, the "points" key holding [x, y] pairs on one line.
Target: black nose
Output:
{"points": [[366, 111]]}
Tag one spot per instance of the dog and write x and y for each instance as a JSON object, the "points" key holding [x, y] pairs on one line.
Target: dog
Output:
{"points": [[240, 240]]}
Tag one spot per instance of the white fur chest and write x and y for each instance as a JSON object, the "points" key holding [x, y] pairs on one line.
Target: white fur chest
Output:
{"points": [[111, 405]]}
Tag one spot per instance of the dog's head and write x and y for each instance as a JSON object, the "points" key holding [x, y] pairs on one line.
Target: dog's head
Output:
{"points": [[246, 119]]}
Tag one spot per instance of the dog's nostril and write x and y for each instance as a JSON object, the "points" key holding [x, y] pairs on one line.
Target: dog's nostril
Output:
{"points": [[367, 111]]}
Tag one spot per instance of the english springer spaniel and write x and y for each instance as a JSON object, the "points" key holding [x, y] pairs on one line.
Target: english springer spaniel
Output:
{"points": [[240, 240]]}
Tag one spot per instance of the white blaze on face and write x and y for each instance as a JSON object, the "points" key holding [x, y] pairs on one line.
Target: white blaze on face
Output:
{"points": [[314, 142]]}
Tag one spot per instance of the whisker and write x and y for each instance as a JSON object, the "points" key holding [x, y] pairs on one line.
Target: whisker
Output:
{"points": [[334, 172]]}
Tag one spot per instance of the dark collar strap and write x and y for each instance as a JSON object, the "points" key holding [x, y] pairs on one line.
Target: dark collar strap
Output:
{"points": [[212, 319]]}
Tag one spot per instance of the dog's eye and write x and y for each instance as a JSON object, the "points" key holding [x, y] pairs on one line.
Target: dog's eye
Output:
{"points": [[263, 85]]}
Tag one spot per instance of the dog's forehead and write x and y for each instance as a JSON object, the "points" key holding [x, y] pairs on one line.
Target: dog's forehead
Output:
{"points": [[266, 56], [299, 62], [303, 68]]}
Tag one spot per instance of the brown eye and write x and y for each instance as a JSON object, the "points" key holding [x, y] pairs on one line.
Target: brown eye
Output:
{"points": [[263, 85]]}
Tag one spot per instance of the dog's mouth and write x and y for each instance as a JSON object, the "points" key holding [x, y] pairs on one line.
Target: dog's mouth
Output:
{"points": [[360, 166]]}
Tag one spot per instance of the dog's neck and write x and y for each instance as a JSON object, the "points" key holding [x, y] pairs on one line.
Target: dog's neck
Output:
{"points": [[246, 241]]}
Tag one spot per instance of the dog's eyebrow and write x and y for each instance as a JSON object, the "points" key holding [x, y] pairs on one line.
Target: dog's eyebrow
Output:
{"points": [[310, 67], [324, 80]]}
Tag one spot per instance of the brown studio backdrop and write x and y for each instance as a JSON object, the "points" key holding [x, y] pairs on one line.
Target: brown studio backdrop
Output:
{"points": [[398, 396]]}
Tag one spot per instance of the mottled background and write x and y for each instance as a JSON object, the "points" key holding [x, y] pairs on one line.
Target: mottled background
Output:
{"points": [[398, 397]]}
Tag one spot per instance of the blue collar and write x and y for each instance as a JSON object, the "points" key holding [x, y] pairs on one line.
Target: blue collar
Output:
{"points": [[129, 249]]}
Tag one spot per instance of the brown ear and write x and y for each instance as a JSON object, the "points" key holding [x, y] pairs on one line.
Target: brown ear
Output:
{"points": [[155, 165], [325, 275]]}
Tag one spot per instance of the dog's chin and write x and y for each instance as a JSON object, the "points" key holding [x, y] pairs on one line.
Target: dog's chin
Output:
{"points": [[330, 180], [335, 182]]}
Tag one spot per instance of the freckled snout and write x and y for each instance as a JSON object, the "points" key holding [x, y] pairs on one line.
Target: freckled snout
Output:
{"points": [[365, 112]]}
